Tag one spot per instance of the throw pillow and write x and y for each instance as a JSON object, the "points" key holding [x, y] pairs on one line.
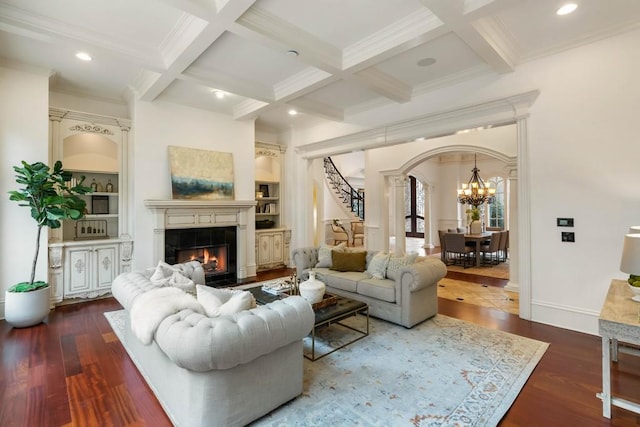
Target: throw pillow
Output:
{"points": [[324, 254], [378, 265], [221, 302], [162, 274], [179, 280], [396, 263], [348, 261]]}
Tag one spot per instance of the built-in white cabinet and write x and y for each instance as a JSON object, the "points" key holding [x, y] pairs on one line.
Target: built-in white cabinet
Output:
{"points": [[90, 270], [86, 255], [272, 248], [272, 235]]}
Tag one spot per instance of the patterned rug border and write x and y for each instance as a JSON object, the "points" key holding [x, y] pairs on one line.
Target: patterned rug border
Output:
{"points": [[495, 385]]}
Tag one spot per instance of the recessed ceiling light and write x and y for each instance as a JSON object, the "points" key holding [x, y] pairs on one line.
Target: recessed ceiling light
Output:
{"points": [[219, 94], [292, 112], [83, 56], [425, 62], [292, 52], [566, 9]]}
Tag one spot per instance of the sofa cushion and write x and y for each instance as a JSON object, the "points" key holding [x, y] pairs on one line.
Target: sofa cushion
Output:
{"points": [[346, 281], [324, 254], [221, 302], [382, 289], [377, 267], [396, 263], [348, 261]]}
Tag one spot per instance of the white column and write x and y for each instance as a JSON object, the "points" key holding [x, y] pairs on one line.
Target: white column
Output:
{"points": [[123, 184], [513, 235], [428, 233], [399, 186], [520, 233]]}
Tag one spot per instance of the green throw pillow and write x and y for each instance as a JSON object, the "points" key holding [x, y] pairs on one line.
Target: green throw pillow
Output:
{"points": [[348, 261]]}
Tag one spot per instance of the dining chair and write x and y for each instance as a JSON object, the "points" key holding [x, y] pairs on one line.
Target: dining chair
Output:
{"points": [[443, 246], [490, 252], [456, 248], [504, 244]]}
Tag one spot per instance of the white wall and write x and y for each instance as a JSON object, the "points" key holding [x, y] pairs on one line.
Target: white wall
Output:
{"points": [[24, 135], [160, 124], [582, 139]]}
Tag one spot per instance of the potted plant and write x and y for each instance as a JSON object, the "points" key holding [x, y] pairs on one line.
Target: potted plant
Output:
{"points": [[475, 227], [51, 199]]}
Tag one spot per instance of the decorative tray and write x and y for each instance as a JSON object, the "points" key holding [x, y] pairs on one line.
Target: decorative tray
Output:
{"points": [[327, 300]]}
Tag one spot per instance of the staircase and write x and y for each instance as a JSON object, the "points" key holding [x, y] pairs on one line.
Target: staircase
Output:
{"points": [[350, 197]]}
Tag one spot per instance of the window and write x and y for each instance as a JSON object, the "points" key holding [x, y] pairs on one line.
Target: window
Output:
{"points": [[414, 208], [495, 210]]}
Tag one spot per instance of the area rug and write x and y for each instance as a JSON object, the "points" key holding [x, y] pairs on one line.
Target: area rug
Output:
{"points": [[442, 372], [500, 271]]}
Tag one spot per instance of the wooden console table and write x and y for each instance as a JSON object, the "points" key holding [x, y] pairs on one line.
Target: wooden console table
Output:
{"points": [[619, 321]]}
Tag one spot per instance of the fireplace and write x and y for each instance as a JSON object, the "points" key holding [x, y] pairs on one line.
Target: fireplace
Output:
{"points": [[213, 247], [232, 216]]}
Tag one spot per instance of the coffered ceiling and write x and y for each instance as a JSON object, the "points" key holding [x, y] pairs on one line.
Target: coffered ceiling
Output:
{"points": [[352, 55]]}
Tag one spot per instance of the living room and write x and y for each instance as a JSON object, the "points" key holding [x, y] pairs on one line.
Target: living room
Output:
{"points": [[576, 128]]}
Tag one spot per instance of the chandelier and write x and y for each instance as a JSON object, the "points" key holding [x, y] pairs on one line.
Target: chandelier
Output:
{"points": [[476, 192]]}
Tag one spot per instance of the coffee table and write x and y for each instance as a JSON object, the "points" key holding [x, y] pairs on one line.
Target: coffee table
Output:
{"points": [[326, 317], [333, 315]]}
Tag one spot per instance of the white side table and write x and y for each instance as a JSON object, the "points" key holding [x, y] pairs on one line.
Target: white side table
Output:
{"points": [[619, 321]]}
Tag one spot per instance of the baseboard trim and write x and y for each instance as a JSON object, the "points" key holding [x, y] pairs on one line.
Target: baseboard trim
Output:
{"points": [[566, 317]]}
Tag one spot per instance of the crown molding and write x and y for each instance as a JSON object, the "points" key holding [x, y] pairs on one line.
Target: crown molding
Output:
{"points": [[393, 39], [499, 111]]}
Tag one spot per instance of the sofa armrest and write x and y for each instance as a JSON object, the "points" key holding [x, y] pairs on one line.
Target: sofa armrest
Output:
{"points": [[421, 274], [304, 258], [199, 343]]}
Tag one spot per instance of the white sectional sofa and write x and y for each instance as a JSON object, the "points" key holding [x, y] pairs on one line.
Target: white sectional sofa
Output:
{"points": [[222, 371], [409, 297]]}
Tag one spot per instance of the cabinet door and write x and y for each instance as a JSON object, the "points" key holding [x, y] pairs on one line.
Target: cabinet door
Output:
{"points": [[277, 254], [78, 270], [106, 268], [264, 248]]}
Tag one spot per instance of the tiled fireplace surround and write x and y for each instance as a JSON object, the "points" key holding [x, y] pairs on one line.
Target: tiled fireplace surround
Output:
{"points": [[183, 214]]}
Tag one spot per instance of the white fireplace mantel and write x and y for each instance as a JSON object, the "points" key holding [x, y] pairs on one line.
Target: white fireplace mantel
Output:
{"points": [[176, 214]]}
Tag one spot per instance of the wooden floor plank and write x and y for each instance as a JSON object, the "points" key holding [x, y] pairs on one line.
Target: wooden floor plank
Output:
{"points": [[72, 372]]}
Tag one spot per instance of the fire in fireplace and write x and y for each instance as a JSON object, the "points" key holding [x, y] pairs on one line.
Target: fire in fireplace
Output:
{"points": [[214, 247], [212, 258]]}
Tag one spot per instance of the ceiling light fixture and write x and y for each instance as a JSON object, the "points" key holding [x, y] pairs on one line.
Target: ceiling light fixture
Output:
{"points": [[292, 112], [425, 62], [219, 94], [476, 192], [566, 9], [83, 56], [292, 52]]}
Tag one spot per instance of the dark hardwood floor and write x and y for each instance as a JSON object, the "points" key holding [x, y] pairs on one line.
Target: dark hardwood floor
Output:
{"points": [[73, 371]]}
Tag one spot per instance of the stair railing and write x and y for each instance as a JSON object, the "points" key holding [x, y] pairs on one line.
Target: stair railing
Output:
{"points": [[352, 198]]}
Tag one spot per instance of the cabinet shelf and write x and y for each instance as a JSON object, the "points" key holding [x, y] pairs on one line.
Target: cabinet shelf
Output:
{"points": [[94, 216], [101, 193]]}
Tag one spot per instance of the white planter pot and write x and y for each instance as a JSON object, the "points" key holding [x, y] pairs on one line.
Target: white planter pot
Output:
{"points": [[313, 289], [22, 309]]}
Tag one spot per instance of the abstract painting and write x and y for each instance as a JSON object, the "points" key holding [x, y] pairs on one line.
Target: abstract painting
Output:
{"points": [[200, 174]]}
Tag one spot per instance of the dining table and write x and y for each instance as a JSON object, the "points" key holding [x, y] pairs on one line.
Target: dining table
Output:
{"points": [[478, 238]]}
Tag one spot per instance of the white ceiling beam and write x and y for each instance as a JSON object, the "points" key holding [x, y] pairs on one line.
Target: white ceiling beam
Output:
{"points": [[228, 83], [192, 37], [249, 109], [316, 108], [385, 85], [310, 49], [484, 36]]}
